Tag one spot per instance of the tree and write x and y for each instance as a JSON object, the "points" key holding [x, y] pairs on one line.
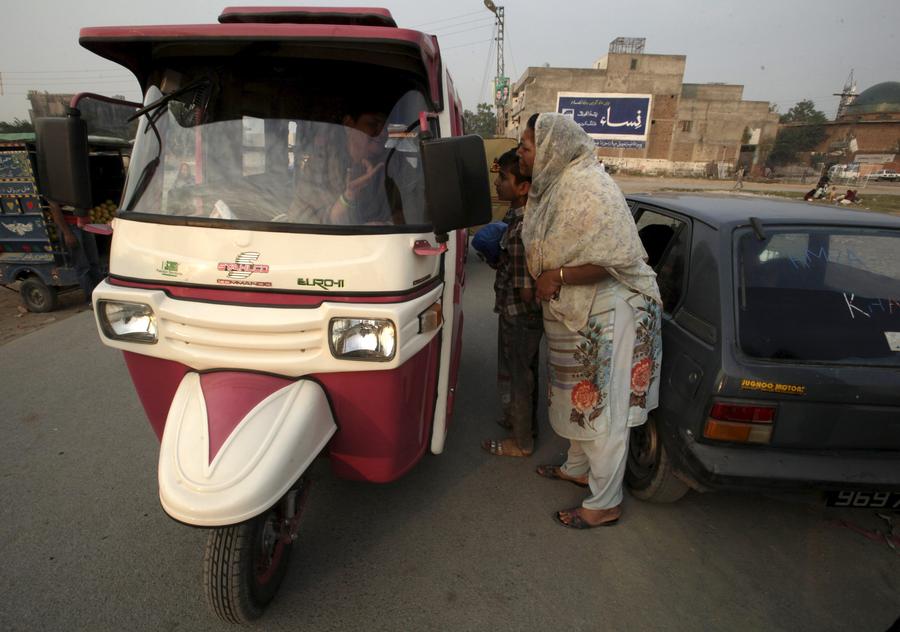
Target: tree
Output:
{"points": [[804, 112], [802, 131], [483, 122], [18, 125]]}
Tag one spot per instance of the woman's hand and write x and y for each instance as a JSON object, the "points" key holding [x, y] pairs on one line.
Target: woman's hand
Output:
{"points": [[548, 284]]}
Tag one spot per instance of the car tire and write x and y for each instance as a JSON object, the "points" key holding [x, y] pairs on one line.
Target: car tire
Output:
{"points": [[649, 474]]}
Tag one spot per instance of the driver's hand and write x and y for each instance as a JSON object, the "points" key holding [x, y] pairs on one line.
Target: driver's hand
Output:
{"points": [[355, 185]]}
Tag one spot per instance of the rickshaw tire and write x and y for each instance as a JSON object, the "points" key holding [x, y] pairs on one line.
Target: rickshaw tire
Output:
{"points": [[660, 484], [37, 295], [233, 591]]}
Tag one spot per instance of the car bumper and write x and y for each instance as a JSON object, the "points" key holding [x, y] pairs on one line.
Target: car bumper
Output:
{"points": [[755, 467]]}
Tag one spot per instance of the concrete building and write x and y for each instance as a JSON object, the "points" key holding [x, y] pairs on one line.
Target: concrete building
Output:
{"points": [[867, 131], [690, 126]]}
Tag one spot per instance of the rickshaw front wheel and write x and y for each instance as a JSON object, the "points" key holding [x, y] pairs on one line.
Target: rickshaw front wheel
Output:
{"points": [[243, 566]]}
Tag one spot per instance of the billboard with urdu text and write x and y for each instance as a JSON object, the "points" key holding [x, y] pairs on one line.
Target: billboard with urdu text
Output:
{"points": [[612, 120]]}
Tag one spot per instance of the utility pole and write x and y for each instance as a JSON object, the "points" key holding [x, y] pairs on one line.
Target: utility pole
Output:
{"points": [[501, 81]]}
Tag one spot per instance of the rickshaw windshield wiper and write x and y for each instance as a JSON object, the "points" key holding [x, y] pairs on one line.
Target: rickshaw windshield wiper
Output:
{"points": [[150, 168], [168, 97], [153, 111]]}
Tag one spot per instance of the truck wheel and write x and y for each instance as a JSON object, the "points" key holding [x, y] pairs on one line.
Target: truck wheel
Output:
{"points": [[649, 474], [243, 566], [37, 296]]}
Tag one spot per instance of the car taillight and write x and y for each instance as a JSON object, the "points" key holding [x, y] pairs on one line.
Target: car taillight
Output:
{"points": [[742, 423]]}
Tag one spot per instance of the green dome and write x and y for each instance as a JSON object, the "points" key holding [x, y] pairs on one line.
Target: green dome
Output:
{"points": [[882, 97]]}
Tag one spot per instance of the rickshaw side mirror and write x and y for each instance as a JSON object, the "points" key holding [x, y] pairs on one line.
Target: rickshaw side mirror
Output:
{"points": [[457, 191], [62, 153]]}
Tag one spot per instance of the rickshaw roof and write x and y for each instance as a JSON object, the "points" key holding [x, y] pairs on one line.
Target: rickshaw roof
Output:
{"points": [[361, 16], [135, 47]]}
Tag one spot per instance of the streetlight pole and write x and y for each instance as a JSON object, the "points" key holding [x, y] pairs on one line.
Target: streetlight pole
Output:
{"points": [[501, 83]]}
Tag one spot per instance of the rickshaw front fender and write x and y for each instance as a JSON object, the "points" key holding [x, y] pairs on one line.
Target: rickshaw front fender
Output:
{"points": [[235, 442]]}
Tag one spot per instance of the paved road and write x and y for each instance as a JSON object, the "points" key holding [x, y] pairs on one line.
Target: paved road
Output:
{"points": [[640, 184], [464, 542]]}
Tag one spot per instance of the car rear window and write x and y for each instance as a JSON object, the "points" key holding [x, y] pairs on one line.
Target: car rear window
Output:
{"points": [[819, 294]]}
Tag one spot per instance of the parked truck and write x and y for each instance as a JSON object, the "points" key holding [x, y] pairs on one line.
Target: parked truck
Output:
{"points": [[32, 251]]}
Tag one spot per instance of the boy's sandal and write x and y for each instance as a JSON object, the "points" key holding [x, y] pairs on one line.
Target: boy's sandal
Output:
{"points": [[503, 447], [577, 522], [555, 472]]}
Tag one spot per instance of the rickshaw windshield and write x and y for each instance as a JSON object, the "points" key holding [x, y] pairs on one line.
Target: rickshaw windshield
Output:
{"points": [[199, 155]]}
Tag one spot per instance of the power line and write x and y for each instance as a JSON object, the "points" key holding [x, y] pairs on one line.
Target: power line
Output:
{"points": [[469, 30], [443, 48], [487, 64], [455, 17], [453, 26]]}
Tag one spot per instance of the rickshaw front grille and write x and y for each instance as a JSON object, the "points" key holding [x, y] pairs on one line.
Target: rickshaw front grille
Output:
{"points": [[212, 341]]}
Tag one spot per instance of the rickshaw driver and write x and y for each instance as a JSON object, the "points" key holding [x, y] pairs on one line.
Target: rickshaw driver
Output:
{"points": [[346, 189]]}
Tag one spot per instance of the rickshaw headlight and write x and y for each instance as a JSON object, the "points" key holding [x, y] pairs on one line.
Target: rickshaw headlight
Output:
{"points": [[362, 339], [129, 322]]}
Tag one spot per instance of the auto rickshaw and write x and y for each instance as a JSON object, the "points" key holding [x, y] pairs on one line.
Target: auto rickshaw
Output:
{"points": [[287, 265]]}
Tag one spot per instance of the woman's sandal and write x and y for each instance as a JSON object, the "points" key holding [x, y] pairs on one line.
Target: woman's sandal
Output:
{"points": [[577, 522], [503, 447], [555, 472]]}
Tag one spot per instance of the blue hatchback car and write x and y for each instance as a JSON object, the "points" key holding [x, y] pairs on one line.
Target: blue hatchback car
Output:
{"points": [[781, 349]]}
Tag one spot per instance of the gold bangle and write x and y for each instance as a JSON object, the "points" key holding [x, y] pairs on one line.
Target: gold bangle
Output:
{"points": [[562, 279]]}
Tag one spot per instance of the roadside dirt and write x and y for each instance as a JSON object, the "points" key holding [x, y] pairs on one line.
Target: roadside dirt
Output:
{"points": [[16, 321]]}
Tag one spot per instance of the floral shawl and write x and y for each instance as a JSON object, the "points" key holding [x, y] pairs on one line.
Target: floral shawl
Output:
{"points": [[577, 215]]}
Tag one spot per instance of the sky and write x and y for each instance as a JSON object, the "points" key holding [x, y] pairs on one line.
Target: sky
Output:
{"points": [[782, 51]]}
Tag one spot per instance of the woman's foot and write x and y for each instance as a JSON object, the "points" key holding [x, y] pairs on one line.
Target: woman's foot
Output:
{"points": [[504, 447], [555, 471], [581, 518]]}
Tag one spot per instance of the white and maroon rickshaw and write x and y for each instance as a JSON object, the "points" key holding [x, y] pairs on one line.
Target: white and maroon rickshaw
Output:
{"points": [[267, 316]]}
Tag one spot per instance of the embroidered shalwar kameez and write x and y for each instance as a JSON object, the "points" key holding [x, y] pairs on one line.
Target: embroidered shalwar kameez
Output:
{"points": [[603, 338]]}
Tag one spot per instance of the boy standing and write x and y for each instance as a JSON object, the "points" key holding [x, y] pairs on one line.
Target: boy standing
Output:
{"points": [[521, 324]]}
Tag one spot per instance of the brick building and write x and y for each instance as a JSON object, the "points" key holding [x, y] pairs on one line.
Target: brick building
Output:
{"points": [[690, 126], [867, 131]]}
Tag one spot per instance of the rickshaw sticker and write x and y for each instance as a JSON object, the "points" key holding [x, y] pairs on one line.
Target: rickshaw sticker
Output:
{"points": [[325, 284], [773, 387], [243, 266], [893, 340], [169, 269], [244, 283]]}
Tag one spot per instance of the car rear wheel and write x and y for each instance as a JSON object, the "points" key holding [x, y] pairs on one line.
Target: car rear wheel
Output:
{"points": [[649, 473]]}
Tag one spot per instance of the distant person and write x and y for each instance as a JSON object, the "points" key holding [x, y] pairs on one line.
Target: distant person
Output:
{"points": [[185, 176], [602, 312], [521, 325], [738, 179], [602, 166], [80, 245]]}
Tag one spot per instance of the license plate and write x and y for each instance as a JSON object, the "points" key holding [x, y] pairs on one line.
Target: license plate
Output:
{"points": [[863, 499]]}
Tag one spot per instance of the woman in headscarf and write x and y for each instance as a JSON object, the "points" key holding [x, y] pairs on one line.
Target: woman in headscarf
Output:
{"points": [[601, 310]]}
